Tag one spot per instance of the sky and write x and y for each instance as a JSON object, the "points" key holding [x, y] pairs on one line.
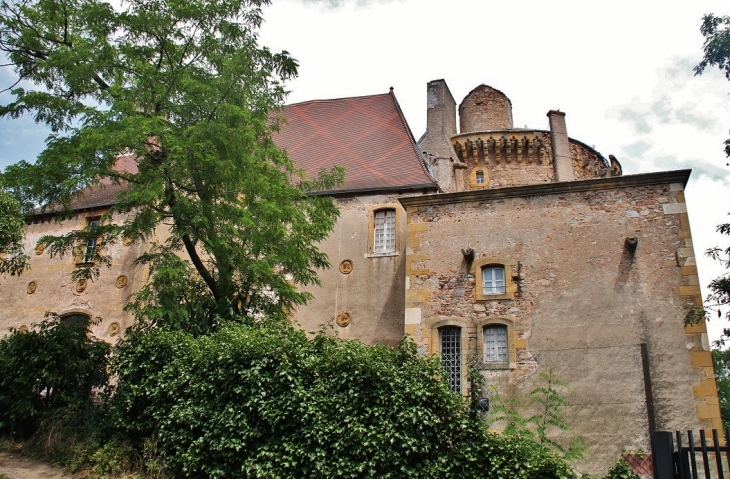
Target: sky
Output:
{"points": [[620, 70]]}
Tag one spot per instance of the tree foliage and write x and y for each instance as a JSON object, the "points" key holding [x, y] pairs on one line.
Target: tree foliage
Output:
{"points": [[269, 402], [176, 103], [721, 363], [716, 30], [13, 259], [53, 366]]}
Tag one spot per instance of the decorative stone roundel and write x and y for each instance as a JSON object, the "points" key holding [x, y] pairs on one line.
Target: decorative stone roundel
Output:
{"points": [[40, 249], [31, 287], [346, 266], [343, 319], [122, 281], [127, 241], [113, 329], [81, 285]]}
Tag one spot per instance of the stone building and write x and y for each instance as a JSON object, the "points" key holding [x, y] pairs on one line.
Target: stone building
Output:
{"points": [[516, 253]]}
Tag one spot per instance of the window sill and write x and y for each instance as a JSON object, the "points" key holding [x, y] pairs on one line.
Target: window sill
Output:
{"points": [[381, 255], [493, 297]]}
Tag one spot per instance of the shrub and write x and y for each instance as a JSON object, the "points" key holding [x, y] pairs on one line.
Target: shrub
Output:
{"points": [[247, 402], [51, 367]]}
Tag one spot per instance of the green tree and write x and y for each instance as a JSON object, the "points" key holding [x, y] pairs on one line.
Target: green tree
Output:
{"points": [[184, 91], [716, 31], [721, 362], [12, 258]]}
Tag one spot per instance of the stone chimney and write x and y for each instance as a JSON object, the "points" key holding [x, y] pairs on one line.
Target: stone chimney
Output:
{"points": [[562, 159], [440, 120]]}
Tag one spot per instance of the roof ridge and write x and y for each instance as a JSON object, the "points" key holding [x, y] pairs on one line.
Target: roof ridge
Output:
{"points": [[326, 100]]}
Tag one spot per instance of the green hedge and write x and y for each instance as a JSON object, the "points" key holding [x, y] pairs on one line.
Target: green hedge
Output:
{"points": [[49, 368], [268, 403]]}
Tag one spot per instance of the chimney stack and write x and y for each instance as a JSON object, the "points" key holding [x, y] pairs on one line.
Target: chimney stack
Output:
{"points": [[440, 120], [562, 159]]}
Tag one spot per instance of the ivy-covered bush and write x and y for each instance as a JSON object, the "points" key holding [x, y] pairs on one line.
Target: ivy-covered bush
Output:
{"points": [[42, 371], [269, 402]]}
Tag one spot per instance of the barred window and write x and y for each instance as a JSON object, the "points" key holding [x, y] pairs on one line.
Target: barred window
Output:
{"points": [[384, 234], [480, 177], [493, 280], [450, 339], [495, 343]]}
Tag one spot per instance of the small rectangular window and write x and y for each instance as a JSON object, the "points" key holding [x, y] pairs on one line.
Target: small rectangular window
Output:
{"points": [[384, 233], [450, 338], [493, 280], [495, 343], [93, 225], [480, 177]]}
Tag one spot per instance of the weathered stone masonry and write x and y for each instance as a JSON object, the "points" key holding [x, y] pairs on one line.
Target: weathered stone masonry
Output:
{"points": [[577, 291]]}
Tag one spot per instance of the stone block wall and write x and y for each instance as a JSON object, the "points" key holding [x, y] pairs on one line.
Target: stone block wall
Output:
{"points": [[583, 304]]}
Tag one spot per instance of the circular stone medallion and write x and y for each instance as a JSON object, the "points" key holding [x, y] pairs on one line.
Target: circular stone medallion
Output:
{"points": [[346, 267], [81, 285], [121, 281], [343, 319], [31, 287], [40, 249], [113, 329]]}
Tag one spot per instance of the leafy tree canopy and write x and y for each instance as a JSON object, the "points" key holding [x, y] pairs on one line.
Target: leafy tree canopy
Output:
{"points": [[172, 101], [716, 31], [12, 258]]}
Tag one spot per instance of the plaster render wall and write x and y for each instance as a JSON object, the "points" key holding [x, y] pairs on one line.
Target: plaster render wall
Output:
{"points": [[373, 292], [56, 292], [583, 305]]}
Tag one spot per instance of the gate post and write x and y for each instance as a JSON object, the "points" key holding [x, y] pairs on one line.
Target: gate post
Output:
{"points": [[662, 448]]}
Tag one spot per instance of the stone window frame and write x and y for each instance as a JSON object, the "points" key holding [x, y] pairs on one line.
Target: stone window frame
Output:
{"points": [[509, 322], [510, 285], [371, 229], [473, 178], [82, 258], [435, 342]]}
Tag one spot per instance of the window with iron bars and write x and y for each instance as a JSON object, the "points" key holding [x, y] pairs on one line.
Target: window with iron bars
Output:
{"points": [[450, 339]]}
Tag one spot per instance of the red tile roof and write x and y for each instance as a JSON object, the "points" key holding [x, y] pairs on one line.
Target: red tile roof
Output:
{"points": [[367, 135]]}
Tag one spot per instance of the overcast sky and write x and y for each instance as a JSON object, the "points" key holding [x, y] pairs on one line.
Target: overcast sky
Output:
{"points": [[621, 70]]}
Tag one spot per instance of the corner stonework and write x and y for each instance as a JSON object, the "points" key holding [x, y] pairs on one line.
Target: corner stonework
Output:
{"points": [[705, 393]]}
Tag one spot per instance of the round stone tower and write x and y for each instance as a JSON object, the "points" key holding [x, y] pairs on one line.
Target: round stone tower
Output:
{"points": [[485, 109]]}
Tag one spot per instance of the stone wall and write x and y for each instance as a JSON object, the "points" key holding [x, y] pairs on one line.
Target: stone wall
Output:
{"points": [[485, 108], [583, 303], [48, 286], [521, 157]]}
